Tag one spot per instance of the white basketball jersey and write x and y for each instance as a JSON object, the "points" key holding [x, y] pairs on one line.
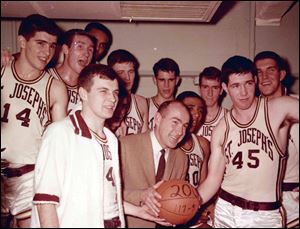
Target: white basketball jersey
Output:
{"points": [[153, 107], [134, 120], [254, 162], [25, 112], [207, 127], [111, 208], [74, 98], [196, 157]]}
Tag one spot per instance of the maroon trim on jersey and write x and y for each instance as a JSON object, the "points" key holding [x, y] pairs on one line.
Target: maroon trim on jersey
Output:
{"points": [[245, 125], [74, 124], [19, 79], [81, 127], [215, 118], [45, 197]]}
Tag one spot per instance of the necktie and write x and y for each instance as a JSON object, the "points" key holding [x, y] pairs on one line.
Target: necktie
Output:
{"points": [[161, 166]]}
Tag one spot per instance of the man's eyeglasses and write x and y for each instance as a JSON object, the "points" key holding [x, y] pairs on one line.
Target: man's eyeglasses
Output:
{"points": [[81, 46]]}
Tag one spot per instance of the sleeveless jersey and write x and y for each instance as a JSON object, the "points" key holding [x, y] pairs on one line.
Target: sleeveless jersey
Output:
{"points": [[207, 127], [195, 157], [74, 98], [254, 161], [153, 107], [133, 119], [25, 112]]}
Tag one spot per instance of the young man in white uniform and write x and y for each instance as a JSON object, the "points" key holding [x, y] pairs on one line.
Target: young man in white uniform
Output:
{"points": [[77, 177], [166, 77], [211, 91], [30, 100], [271, 76], [126, 66], [252, 151]]}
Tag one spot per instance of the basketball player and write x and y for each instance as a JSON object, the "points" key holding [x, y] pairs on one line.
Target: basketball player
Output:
{"points": [[271, 74], [211, 91], [197, 148], [77, 48], [166, 78], [77, 177], [30, 100], [126, 66], [249, 142], [103, 36], [141, 155]]}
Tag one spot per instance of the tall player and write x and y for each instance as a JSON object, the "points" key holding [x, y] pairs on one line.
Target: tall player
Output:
{"points": [[126, 66], [77, 48], [166, 78], [211, 91], [271, 74], [77, 180], [30, 100], [249, 143]]}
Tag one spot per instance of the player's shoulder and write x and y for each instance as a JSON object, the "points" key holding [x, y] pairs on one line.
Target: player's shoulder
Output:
{"points": [[139, 98]]}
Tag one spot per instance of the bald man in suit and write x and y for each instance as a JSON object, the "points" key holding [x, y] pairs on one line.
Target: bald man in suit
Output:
{"points": [[141, 155]]}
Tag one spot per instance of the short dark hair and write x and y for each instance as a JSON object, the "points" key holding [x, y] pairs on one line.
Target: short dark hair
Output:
{"points": [[38, 23], [101, 27], [91, 71], [189, 94], [122, 56], [166, 65], [237, 64], [270, 55], [211, 73]]}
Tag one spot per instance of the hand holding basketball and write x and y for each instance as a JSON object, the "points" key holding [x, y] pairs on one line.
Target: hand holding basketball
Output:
{"points": [[180, 201]]}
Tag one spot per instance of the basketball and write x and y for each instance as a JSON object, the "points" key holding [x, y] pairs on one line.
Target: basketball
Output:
{"points": [[180, 201]]}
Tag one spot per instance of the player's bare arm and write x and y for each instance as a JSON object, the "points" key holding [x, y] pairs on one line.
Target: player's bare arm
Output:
{"points": [[216, 164], [58, 100], [143, 108], [283, 112], [48, 215], [205, 145]]}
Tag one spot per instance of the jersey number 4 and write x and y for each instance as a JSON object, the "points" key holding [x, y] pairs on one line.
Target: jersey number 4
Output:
{"points": [[254, 161], [23, 115]]}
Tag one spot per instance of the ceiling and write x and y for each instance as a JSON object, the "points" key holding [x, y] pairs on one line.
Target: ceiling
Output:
{"points": [[267, 12]]}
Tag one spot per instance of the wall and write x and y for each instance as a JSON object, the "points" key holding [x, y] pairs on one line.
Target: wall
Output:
{"points": [[195, 46]]}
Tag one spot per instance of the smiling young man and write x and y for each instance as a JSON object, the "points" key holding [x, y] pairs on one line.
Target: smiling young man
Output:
{"points": [[250, 144], [271, 75], [30, 100], [77, 177], [78, 49]]}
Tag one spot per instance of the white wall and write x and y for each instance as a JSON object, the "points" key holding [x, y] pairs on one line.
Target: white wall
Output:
{"points": [[195, 46]]}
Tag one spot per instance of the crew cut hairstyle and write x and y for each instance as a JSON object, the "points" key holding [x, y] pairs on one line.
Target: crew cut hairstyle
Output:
{"points": [[210, 73], [236, 65], [91, 71], [166, 65]]}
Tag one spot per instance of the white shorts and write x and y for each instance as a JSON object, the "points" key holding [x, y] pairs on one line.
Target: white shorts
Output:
{"points": [[230, 216], [17, 195], [290, 202]]}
